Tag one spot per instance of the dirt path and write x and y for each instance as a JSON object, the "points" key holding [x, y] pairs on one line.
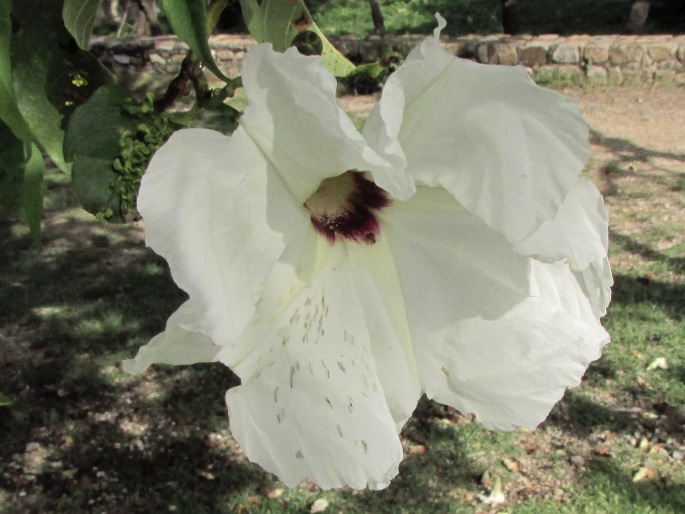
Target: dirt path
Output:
{"points": [[638, 162]]}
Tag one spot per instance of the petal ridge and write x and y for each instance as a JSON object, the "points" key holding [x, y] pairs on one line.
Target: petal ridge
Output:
{"points": [[310, 404], [293, 116], [203, 199], [508, 150]]}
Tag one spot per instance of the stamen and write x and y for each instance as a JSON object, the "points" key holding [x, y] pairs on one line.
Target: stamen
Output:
{"points": [[345, 206]]}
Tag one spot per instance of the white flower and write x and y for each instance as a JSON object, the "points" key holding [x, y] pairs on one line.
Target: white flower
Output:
{"points": [[449, 249]]}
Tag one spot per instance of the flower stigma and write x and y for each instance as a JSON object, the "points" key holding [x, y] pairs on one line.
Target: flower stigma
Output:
{"points": [[347, 205]]}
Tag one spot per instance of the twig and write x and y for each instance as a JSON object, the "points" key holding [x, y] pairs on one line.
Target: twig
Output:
{"points": [[123, 21]]}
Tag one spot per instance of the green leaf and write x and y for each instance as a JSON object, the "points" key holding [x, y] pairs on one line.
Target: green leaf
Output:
{"points": [[279, 21], [272, 21], [92, 141], [51, 75], [336, 62], [96, 126], [78, 18], [4, 401], [21, 179], [31, 204], [308, 43], [31, 208], [12, 161], [188, 18], [111, 140], [9, 112], [372, 69]]}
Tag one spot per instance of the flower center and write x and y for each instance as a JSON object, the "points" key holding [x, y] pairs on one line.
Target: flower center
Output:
{"points": [[346, 206]]}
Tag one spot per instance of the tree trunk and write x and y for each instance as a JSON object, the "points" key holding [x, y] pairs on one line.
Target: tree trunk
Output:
{"points": [[377, 16], [510, 17], [639, 12], [145, 18]]}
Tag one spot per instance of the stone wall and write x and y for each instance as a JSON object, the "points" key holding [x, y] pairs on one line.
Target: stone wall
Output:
{"points": [[578, 60], [147, 64], [573, 60]]}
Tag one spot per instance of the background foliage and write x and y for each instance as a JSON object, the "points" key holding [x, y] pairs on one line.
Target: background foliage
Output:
{"points": [[484, 16]]}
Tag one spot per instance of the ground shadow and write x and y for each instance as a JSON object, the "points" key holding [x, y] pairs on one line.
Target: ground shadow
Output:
{"points": [[632, 405], [80, 435], [624, 154], [425, 478], [628, 151], [676, 264], [582, 415], [641, 496], [631, 290]]}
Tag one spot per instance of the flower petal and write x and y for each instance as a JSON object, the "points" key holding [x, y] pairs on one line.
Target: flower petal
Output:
{"points": [[510, 371], [294, 118], [451, 265], [177, 345], [596, 281], [508, 150], [311, 404], [378, 288], [494, 333], [203, 199], [580, 234]]}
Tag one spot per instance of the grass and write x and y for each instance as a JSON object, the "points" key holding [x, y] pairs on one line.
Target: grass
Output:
{"points": [[339, 17], [81, 436]]}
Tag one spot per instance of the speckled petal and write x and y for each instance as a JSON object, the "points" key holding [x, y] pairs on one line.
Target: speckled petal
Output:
{"points": [[311, 405]]}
